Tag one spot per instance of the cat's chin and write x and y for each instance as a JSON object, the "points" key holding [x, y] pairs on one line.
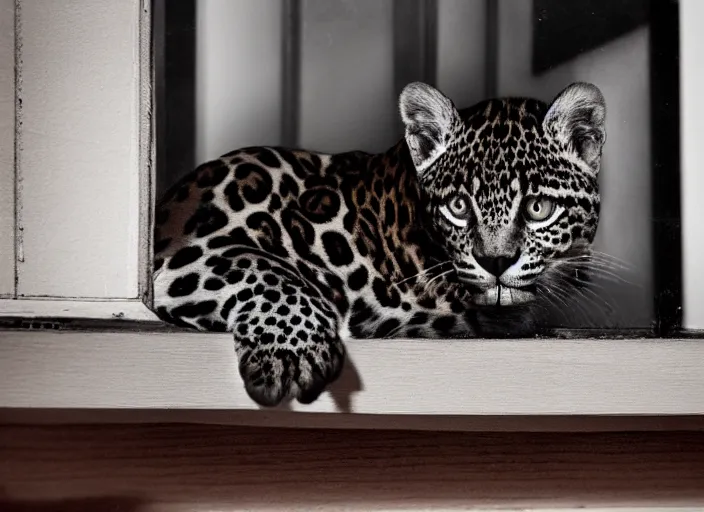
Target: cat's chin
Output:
{"points": [[504, 297], [510, 317], [516, 321]]}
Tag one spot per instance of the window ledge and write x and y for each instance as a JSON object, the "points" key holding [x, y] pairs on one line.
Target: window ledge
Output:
{"points": [[128, 309], [186, 371]]}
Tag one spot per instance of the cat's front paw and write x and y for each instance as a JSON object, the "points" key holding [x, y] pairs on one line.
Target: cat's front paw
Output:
{"points": [[274, 372]]}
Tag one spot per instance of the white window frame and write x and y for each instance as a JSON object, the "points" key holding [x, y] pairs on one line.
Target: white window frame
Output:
{"points": [[59, 116], [120, 364]]}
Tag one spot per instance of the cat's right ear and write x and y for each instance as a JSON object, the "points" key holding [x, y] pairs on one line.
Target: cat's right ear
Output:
{"points": [[429, 117]]}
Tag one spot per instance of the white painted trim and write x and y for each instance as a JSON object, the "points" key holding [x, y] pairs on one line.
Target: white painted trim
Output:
{"points": [[692, 177], [7, 148], [146, 153], [81, 150], [183, 370], [133, 310]]}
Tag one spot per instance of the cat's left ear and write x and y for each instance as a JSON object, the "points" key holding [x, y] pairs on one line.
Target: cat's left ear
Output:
{"points": [[577, 117]]}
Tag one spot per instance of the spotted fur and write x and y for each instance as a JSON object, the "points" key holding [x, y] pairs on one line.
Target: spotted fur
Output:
{"points": [[294, 252]]}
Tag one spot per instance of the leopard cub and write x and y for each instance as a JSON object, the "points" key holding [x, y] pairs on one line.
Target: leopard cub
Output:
{"points": [[473, 213]]}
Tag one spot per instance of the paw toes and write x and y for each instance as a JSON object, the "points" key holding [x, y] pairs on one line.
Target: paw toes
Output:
{"points": [[322, 375], [310, 392], [271, 377], [262, 379], [264, 396], [262, 389], [337, 356]]}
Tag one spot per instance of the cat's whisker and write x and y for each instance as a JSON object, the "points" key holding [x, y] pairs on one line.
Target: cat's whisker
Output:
{"points": [[596, 259], [422, 272], [601, 266], [555, 301], [590, 263], [439, 276], [600, 287], [569, 302], [590, 300], [586, 287], [574, 305], [394, 331], [596, 299], [612, 276], [556, 306], [610, 257], [603, 271]]}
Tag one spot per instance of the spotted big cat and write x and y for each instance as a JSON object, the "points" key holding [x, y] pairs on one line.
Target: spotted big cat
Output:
{"points": [[473, 216]]}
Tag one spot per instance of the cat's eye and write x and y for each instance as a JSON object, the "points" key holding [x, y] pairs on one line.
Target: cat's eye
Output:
{"points": [[458, 207], [539, 208], [456, 211]]}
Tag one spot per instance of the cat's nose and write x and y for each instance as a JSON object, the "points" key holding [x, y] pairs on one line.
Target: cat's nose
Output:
{"points": [[496, 265]]}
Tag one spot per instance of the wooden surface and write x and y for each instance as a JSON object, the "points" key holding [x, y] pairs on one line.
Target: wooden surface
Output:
{"points": [[198, 371], [198, 468], [298, 419]]}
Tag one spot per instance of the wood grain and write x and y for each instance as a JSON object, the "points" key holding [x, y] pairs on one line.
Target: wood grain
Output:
{"points": [[197, 468]]}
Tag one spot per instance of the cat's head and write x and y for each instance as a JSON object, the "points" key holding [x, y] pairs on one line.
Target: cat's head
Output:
{"points": [[511, 184]]}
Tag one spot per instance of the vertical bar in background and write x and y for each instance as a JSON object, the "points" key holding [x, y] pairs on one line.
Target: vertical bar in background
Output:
{"points": [[347, 98], [429, 37], [160, 91], [415, 42], [176, 90], [665, 115], [491, 70], [461, 50], [415, 38], [691, 186], [665, 126], [238, 75], [7, 148], [291, 72]]}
